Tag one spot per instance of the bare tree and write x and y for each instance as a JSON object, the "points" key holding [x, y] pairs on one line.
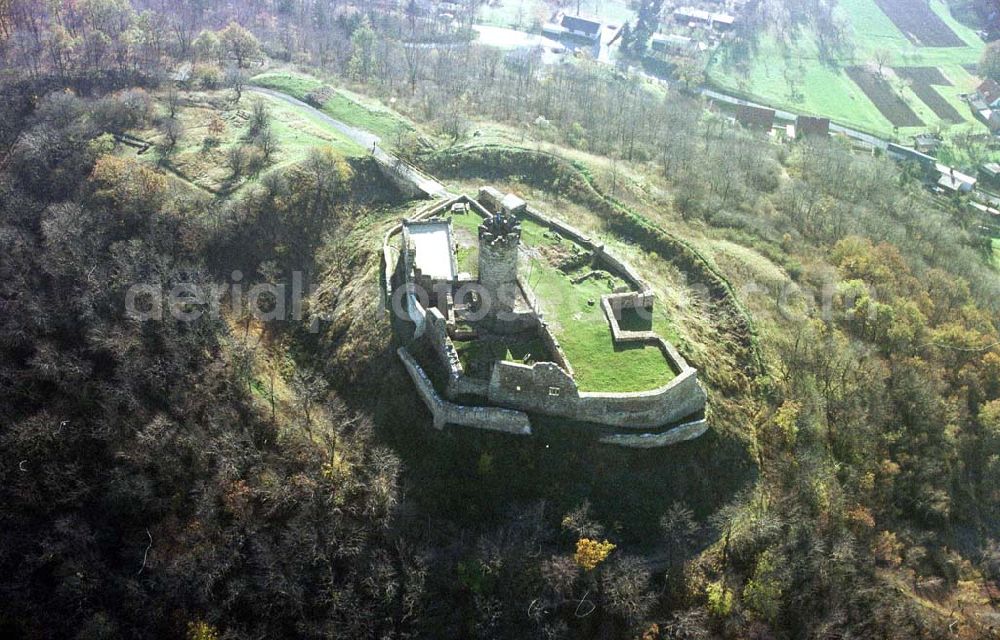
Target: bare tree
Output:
{"points": [[267, 142], [173, 100], [236, 79], [882, 58], [171, 131]]}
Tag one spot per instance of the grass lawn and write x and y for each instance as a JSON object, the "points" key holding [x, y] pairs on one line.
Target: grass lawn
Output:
{"points": [[204, 165], [996, 252], [574, 314], [528, 14], [344, 105], [478, 356], [793, 76]]}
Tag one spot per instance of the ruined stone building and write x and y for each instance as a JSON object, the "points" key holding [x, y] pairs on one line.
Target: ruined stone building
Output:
{"points": [[436, 307]]}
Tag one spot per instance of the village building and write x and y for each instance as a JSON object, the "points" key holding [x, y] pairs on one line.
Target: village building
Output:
{"points": [[954, 181], [579, 26], [755, 118], [673, 44], [990, 173], [691, 17], [989, 93], [926, 143], [812, 127], [905, 154]]}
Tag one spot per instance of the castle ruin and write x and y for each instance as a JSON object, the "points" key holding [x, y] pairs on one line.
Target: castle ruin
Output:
{"points": [[436, 306]]}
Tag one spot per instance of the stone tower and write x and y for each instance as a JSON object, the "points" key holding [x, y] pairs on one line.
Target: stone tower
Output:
{"points": [[499, 239]]}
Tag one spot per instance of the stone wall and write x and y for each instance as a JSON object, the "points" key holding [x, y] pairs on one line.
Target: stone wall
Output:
{"points": [[622, 269], [602, 257], [561, 227], [545, 388], [682, 433], [680, 398], [463, 385], [444, 412], [490, 198], [555, 349], [549, 387], [436, 331]]}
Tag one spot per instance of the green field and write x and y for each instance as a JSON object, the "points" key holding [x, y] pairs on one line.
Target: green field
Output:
{"points": [[529, 14], [793, 76], [202, 162], [574, 313], [348, 107], [996, 252]]}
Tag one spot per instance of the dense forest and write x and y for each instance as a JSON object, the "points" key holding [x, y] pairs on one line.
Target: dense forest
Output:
{"points": [[231, 477]]}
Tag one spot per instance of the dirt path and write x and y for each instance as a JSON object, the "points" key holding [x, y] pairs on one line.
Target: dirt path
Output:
{"points": [[367, 140]]}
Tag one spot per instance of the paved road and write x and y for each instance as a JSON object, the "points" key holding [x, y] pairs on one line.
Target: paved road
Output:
{"points": [[366, 140]]}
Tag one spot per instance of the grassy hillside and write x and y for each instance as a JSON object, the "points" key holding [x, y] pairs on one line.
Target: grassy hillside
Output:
{"points": [[342, 104], [201, 155]]}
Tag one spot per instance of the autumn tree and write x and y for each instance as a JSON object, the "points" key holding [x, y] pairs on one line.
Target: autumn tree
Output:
{"points": [[239, 43], [362, 51], [989, 61]]}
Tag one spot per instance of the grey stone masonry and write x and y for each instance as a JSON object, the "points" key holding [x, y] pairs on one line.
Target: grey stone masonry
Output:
{"points": [[499, 241], [543, 387], [444, 412]]}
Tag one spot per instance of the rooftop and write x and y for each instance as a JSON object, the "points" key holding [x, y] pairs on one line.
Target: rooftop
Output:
{"points": [[590, 26], [704, 16]]}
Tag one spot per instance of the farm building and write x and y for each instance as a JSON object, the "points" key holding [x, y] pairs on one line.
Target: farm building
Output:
{"points": [[946, 178], [675, 44], [926, 143], [756, 118], [951, 180], [989, 93], [812, 127], [589, 28], [977, 103], [905, 154], [990, 173], [690, 16], [989, 117]]}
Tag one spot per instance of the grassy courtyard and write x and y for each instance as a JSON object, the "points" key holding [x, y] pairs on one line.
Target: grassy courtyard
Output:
{"points": [[793, 75], [574, 313], [343, 105]]}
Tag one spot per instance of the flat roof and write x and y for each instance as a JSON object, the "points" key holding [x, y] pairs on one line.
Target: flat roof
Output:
{"points": [[432, 246]]}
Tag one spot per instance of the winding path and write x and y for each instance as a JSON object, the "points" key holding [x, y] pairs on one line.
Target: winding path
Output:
{"points": [[367, 140]]}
